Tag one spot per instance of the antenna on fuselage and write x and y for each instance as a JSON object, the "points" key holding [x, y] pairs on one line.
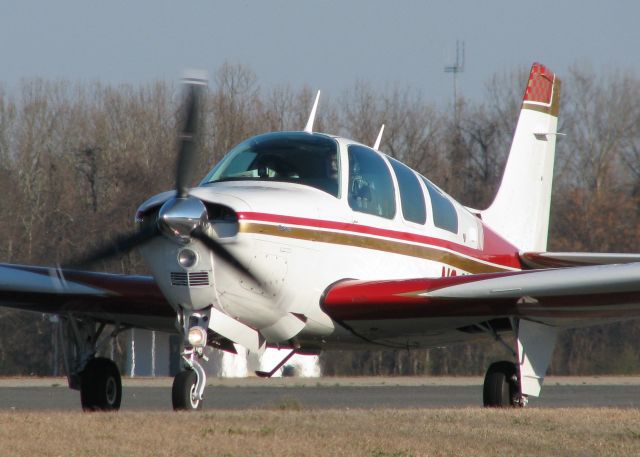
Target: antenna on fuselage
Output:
{"points": [[312, 116], [376, 145]]}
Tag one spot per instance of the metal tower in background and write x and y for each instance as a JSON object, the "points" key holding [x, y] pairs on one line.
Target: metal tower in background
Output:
{"points": [[457, 67]]}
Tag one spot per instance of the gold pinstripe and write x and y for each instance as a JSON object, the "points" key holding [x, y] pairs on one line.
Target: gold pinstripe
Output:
{"points": [[395, 247]]}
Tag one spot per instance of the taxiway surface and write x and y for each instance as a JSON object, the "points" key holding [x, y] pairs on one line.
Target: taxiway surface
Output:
{"points": [[155, 394]]}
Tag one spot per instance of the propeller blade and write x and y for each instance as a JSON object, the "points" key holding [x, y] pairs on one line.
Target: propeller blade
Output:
{"points": [[121, 245], [187, 153], [222, 253]]}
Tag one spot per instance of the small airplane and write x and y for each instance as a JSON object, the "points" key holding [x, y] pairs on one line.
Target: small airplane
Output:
{"points": [[311, 242]]}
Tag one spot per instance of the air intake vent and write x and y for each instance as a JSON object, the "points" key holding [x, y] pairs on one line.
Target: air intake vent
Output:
{"points": [[193, 279], [179, 279], [199, 278]]}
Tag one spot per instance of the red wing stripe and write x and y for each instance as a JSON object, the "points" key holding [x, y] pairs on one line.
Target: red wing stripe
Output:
{"points": [[354, 300], [395, 299]]}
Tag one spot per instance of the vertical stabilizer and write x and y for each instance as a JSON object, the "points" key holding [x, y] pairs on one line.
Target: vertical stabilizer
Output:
{"points": [[520, 210]]}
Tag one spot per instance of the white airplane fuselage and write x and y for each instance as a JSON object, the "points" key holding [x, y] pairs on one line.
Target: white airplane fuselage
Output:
{"points": [[299, 240]]}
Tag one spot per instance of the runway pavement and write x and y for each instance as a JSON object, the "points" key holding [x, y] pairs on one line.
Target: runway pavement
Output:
{"points": [[155, 394]]}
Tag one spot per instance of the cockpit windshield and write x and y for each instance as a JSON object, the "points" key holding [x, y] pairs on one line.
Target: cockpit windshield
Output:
{"points": [[297, 157]]}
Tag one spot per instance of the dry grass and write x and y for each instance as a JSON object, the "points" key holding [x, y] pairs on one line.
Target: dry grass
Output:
{"points": [[289, 430]]}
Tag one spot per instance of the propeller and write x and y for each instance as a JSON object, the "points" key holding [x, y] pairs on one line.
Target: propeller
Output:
{"points": [[187, 153], [119, 246], [182, 217]]}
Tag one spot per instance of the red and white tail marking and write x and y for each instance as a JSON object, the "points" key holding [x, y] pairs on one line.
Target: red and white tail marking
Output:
{"points": [[520, 211], [540, 86]]}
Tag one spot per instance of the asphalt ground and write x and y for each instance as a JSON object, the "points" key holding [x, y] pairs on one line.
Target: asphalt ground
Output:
{"points": [[349, 393]]}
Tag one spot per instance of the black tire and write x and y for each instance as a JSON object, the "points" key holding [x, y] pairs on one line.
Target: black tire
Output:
{"points": [[183, 390], [100, 386], [500, 385]]}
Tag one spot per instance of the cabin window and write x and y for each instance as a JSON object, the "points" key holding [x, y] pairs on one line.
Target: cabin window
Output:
{"points": [[370, 185], [411, 196], [444, 213], [295, 157]]}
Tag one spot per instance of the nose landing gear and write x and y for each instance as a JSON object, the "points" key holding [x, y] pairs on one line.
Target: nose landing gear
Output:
{"points": [[188, 386], [184, 394]]}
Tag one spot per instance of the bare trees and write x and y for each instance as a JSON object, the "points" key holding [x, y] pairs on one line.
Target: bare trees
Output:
{"points": [[414, 127]]}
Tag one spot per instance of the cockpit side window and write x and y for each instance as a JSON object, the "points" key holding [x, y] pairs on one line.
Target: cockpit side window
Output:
{"points": [[370, 185], [444, 213], [411, 195], [296, 157]]}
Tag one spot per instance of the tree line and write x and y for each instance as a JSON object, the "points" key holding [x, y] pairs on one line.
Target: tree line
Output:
{"points": [[76, 159]]}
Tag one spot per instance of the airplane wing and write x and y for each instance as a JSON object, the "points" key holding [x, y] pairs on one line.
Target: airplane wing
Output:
{"points": [[536, 260], [113, 299], [454, 309]]}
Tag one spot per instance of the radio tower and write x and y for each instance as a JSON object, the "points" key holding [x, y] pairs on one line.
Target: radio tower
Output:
{"points": [[457, 67]]}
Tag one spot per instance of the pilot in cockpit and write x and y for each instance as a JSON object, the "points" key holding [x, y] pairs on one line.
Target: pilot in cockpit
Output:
{"points": [[332, 166], [359, 189], [272, 166]]}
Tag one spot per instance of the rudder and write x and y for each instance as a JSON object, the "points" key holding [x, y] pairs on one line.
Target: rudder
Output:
{"points": [[520, 210]]}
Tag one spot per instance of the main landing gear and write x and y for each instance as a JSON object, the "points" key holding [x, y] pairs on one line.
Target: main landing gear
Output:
{"points": [[100, 385], [502, 387], [97, 378], [509, 384]]}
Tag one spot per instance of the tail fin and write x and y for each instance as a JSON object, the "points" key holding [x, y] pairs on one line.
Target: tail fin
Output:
{"points": [[520, 210]]}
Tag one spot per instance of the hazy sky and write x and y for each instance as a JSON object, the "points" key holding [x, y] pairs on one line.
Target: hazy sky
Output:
{"points": [[326, 44]]}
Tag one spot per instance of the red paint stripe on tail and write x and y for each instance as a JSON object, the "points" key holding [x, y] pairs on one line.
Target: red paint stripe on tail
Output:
{"points": [[540, 85]]}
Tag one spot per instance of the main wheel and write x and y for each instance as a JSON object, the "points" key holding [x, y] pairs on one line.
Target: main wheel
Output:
{"points": [[100, 386], [500, 385], [183, 393]]}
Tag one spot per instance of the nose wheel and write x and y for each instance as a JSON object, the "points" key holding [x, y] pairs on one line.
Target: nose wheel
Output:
{"points": [[184, 393]]}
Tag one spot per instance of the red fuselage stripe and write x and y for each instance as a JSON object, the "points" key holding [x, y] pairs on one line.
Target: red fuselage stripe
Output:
{"points": [[497, 250]]}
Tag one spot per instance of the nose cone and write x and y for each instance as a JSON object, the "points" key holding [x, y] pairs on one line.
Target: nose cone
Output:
{"points": [[179, 217]]}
